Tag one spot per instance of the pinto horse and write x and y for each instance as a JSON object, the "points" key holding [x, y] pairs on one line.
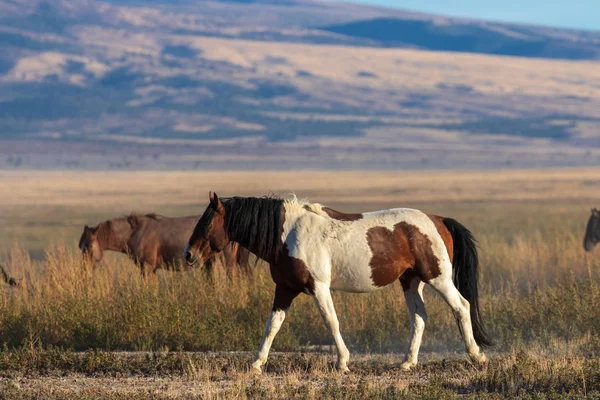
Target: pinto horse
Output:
{"points": [[151, 240], [313, 249], [592, 232]]}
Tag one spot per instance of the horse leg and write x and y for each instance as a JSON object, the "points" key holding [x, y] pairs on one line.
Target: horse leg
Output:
{"points": [[145, 270], [281, 304], [148, 269], [413, 295], [460, 306], [324, 302]]}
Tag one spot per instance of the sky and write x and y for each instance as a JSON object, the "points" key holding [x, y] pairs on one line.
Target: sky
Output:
{"points": [[579, 14]]}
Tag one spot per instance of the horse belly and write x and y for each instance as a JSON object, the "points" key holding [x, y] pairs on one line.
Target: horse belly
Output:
{"points": [[353, 278]]}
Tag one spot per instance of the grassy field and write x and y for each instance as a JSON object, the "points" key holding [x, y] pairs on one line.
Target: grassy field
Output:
{"points": [[65, 329]]}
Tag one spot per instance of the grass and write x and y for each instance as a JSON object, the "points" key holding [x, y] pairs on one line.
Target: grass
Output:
{"points": [[51, 373], [73, 332]]}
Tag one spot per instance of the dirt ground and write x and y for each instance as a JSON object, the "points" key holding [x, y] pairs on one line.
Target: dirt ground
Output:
{"points": [[303, 375]]}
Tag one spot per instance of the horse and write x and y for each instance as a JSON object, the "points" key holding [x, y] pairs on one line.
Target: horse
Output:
{"points": [[592, 232], [152, 241], [6, 278], [314, 249]]}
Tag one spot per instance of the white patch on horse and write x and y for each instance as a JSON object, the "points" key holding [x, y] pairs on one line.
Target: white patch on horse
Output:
{"points": [[338, 253]]}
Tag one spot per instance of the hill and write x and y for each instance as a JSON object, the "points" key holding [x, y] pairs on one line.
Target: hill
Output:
{"points": [[288, 84]]}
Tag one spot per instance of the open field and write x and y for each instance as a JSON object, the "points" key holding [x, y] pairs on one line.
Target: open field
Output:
{"points": [[540, 293], [39, 208]]}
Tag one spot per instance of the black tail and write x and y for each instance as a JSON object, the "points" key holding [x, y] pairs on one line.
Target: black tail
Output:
{"points": [[465, 265]]}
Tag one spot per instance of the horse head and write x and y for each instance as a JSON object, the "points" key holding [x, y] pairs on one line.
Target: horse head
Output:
{"points": [[592, 233], [210, 236], [89, 244]]}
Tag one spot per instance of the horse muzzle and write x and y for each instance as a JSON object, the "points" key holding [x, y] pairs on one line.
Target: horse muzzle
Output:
{"points": [[588, 245], [190, 258]]}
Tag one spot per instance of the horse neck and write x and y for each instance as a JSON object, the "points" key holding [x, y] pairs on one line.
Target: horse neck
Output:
{"points": [[114, 235]]}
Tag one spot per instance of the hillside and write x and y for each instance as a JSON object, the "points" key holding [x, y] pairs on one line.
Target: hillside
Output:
{"points": [[288, 84]]}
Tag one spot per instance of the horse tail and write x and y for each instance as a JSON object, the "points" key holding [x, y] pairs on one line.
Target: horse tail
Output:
{"points": [[10, 281], [465, 266]]}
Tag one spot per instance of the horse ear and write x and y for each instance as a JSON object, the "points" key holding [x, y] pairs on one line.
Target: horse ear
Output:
{"points": [[213, 198], [215, 202], [86, 228]]}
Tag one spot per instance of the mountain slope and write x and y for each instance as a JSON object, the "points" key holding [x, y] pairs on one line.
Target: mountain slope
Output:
{"points": [[96, 84], [498, 39]]}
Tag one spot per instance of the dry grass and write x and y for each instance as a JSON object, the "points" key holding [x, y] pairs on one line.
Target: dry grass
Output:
{"points": [[39, 208], [98, 190], [540, 294], [60, 374]]}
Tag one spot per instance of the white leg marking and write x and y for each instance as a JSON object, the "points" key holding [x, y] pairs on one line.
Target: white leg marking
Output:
{"points": [[418, 316], [273, 325], [461, 308], [324, 302]]}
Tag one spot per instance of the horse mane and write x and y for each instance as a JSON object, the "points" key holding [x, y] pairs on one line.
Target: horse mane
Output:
{"points": [[255, 223]]}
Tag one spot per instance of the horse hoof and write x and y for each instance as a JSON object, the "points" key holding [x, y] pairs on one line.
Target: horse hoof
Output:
{"points": [[256, 370], [406, 366], [343, 369], [479, 359]]}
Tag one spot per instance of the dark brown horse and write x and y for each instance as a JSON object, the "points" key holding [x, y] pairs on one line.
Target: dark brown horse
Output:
{"points": [[7, 279], [592, 233], [152, 241]]}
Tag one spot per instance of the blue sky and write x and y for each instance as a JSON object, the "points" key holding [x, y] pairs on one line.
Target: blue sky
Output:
{"points": [[581, 14]]}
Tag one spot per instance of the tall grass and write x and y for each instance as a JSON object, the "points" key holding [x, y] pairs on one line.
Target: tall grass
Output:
{"points": [[538, 288]]}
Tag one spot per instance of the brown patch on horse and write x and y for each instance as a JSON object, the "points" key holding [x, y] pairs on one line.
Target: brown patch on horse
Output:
{"points": [[290, 274], [406, 247], [283, 297], [340, 216], [444, 233]]}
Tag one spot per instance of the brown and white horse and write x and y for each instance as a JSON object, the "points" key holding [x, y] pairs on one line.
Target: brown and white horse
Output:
{"points": [[313, 249], [152, 241]]}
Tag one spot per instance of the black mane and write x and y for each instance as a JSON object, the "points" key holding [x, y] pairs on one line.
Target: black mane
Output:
{"points": [[255, 223]]}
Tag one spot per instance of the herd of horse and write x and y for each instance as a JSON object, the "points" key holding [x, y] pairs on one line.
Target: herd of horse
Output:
{"points": [[153, 242], [313, 249]]}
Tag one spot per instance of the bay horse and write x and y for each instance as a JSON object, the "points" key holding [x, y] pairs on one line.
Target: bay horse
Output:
{"points": [[313, 249], [152, 241], [592, 232]]}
